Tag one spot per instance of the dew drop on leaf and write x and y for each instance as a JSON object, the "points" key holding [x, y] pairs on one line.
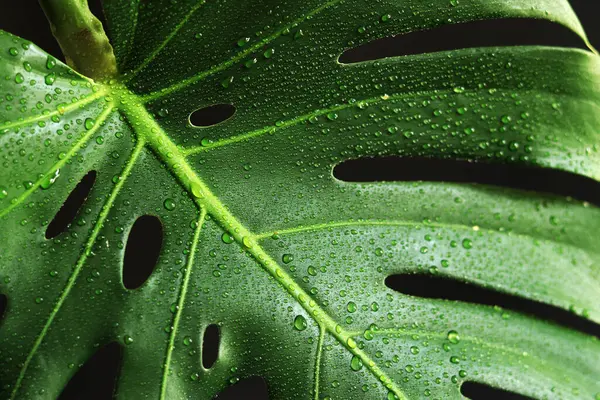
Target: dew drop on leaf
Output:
{"points": [[227, 238], [300, 323], [356, 363], [169, 204], [89, 123], [453, 337]]}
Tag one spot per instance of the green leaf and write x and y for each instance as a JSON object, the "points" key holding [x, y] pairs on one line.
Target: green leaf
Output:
{"points": [[298, 293]]}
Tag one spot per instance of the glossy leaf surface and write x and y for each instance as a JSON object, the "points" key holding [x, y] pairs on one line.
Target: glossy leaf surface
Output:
{"points": [[261, 240]]}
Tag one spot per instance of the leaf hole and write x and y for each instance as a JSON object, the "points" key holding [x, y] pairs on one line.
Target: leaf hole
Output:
{"points": [[486, 33], [142, 251], [68, 211], [211, 115], [481, 391], [211, 341], [436, 287], [3, 304], [97, 378], [254, 388], [515, 176]]}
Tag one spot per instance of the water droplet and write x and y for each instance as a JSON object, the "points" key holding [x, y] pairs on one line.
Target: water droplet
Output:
{"points": [[227, 238], [127, 339], [356, 363], [89, 123], [287, 258], [50, 78], [250, 62], [50, 62], [243, 41], [169, 204], [49, 180], [19, 78], [351, 307], [226, 82], [453, 337], [300, 323], [269, 53]]}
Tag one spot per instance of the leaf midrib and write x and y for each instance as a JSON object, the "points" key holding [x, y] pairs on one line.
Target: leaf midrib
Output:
{"points": [[148, 131]]}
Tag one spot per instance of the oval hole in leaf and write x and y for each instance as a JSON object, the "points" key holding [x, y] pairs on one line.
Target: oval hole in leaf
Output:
{"points": [[254, 388], [142, 250], [68, 211], [486, 33], [212, 115], [97, 378], [436, 287], [513, 176], [481, 391], [3, 303], [210, 346]]}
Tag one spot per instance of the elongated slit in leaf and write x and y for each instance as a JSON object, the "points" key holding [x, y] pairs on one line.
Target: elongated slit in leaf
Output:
{"points": [[68, 211], [210, 346], [434, 287], [97, 378], [212, 115], [481, 391], [515, 176], [3, 303], [487, 33], [141, 253], [254, 388]]}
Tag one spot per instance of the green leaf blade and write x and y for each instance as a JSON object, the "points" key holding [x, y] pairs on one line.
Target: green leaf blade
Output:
{"points": [[299, 294]]}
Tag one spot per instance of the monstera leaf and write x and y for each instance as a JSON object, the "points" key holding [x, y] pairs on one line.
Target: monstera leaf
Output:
{"points": [[259, 238]]}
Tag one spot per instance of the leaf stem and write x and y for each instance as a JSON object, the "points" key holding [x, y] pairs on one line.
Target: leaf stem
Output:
{"points": [[81, 37]]}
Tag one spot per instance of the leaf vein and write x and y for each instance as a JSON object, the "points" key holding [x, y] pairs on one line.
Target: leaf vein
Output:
{"points": [[79, 265], [58, 164], [239, 56], [162, 45], [180, 304]]}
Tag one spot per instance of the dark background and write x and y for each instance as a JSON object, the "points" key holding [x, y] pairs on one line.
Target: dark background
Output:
{"points": [[95, 380]]}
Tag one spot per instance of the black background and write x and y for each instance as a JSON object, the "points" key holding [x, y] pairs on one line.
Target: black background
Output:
{"points": [[26, 19]]}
